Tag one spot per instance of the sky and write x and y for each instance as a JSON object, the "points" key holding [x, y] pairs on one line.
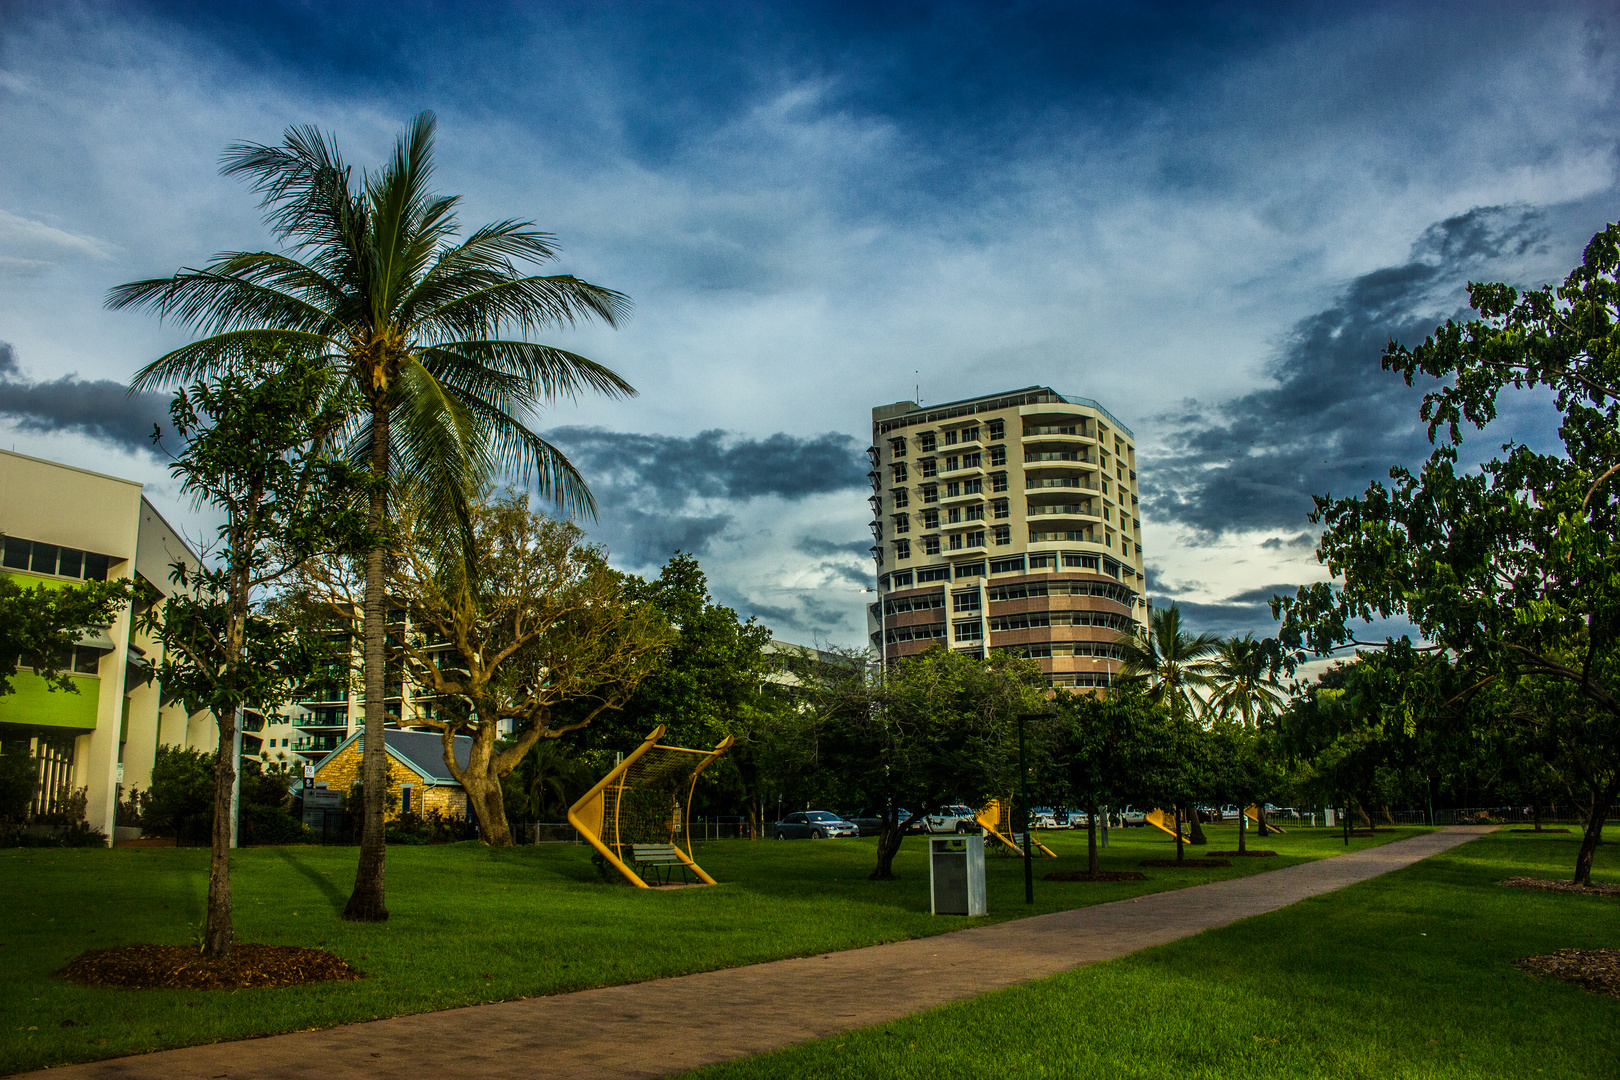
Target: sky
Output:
{"points": [[1209, 217]]}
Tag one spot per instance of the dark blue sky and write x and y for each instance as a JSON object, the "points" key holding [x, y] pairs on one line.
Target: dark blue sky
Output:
{"points": [[1208, 216]]}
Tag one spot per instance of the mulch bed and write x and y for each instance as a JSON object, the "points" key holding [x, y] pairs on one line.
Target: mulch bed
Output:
{"points": [[1191, 863], [1597, 970], [1538, 830], [181, 967], [1101, 875], [1559, 885], [1245, 854]]}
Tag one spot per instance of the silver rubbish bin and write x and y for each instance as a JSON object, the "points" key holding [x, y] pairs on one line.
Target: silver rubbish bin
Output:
{"points": [[956, 875]]}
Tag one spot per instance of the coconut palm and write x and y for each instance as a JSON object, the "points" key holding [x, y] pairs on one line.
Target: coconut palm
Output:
{"points": [[375, 281], [1172, 664], [1241, 683]]}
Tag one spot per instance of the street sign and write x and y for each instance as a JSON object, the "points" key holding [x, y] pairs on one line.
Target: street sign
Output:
{"points": [[309, 772]]}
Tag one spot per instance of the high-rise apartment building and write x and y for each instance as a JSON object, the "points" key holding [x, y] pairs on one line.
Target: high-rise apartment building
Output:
{"points": [[1007, 522]]}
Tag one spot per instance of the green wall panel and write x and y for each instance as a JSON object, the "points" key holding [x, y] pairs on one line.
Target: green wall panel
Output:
{"points": [[35, 703]]}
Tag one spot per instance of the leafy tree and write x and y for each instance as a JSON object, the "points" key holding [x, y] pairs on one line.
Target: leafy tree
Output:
{"points": [[19, 779], [40, 625], [1512, 568], [1112, 750], [1242, 680], [940, 729], [255, 451], [375, 284], [182, 794], [518, 623]]}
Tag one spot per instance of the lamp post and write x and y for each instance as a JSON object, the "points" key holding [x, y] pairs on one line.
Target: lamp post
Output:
{"points": [[883, 633], [1023, 800]]}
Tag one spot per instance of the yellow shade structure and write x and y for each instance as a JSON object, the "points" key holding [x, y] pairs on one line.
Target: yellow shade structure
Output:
{"points": [[1165, 823], [1253, 814], [995, 818], [645, 799]]}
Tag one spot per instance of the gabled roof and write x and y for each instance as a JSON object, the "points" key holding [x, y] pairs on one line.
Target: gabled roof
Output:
{"points": [[422, 752]]}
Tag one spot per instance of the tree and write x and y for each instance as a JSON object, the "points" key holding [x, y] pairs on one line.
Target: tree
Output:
{"points": [[255, 451], [376, 286], [40, 625], [509, 629], [1510, 567], [1112, 750], [1242, 680], [940, 729]]}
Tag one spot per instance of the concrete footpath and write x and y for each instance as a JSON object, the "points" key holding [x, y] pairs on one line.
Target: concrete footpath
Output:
{"points": [[671, 1025]]}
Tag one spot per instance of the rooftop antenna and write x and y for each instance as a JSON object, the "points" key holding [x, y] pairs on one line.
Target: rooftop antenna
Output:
{"points": [[918, 388]]}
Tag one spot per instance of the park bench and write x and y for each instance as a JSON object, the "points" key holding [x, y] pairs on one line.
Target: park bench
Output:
{"points": [[654, 862]]}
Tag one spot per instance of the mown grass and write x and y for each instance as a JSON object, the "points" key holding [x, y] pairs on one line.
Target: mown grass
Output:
{"points": [[1407, 975], [472, 925]]}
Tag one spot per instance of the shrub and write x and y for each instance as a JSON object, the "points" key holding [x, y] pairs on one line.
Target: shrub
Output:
{"points": [[182, 794], [271, 825], [19, 776]]}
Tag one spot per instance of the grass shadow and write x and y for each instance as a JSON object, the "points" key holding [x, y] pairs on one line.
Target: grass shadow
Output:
{"points": [[322, 880]]}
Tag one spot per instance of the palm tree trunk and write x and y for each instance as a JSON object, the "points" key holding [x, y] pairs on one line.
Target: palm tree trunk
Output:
{"points": [[366, 903]]}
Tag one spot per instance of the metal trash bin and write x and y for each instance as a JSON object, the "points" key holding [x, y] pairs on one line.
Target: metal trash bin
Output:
{"points": [[956, 875]]}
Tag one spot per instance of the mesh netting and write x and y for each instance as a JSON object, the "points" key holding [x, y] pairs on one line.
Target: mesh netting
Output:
{"points": [[644, 805]]}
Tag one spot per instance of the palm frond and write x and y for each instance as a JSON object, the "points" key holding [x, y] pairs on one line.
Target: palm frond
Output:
{"points": [[554, 372], [202, 359]]}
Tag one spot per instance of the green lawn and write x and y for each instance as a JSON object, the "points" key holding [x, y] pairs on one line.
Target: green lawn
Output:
{"points": [[471, 925], [1407, 975]]}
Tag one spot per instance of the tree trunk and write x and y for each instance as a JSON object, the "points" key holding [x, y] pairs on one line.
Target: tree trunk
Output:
{"points": [[1176, 824], [1535, 813], [1260, 818], [366, 903], [489, 803], [1243, 830], [889, 837], [1197, 839], [1592, 835], [1091, 839], [218, 935]]}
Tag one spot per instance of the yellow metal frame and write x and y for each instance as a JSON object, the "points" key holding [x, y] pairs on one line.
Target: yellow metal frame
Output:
{"points": [[1253, 814], [588, 813], [1164, 822], [989, 818]]}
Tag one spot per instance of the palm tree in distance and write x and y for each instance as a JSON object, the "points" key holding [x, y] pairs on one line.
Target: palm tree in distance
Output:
{"points": [[375, 282], [1174, 665], [1242, 686]]}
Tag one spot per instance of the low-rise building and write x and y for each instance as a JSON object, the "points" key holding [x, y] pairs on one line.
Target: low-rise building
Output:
{"points": [[419, 780]]}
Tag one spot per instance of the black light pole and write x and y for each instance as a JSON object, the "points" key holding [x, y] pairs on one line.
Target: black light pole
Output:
{"points": [[1023, 799]]}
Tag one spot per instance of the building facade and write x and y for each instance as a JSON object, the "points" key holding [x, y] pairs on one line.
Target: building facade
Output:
{"points": [[1008, 521], [63, 525]]}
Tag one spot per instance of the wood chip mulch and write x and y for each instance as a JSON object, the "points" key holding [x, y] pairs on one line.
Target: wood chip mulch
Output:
{"points": [[1538, 830], [1560, 885], [1192, 863], [180, 967], [1597, 970], [1245, 854], [1101, 875]]}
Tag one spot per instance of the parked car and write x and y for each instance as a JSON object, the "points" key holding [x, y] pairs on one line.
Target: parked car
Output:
{"points": [[1231, 812], [1046, 818], [813, 825], [1131, 817], [869, 822], [952, 819], [1208, 814], [1079, 819]]}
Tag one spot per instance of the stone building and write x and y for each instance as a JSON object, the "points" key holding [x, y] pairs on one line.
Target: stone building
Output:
{"points": [[419, 780]]}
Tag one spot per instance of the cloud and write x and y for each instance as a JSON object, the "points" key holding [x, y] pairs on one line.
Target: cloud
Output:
{"points": [[1331, 420], [29, 247], [99, 408], [1276, 543]]}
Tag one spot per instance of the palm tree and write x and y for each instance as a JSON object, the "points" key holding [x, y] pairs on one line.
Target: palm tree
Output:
{"points": [[1174, 666], [1242, 685], [375, 282]]}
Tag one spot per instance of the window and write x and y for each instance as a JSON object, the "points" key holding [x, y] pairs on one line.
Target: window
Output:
{"points": [[38, 558], [971, 461], [969, 631], [930, 547], [950, 438], [897, 447], [925, 442], [971, 434], [930, 493], [998, 455], [998, 481], [927, 602], [1036, 652], [972, 487], [930, 519], [901, 499], [936, 573], [954, 515], [1042, 562], [930, 467], [1082, 562], [902, 523], [405, 799], [953, 463], [976, 513], [1000, 508], [899, 580], [998, 429], [967, 600], [902, 549], [956, 543], [1006, 566], [899, 468], [1003, 534], [953, 489], [969, 569], [976, 538]]}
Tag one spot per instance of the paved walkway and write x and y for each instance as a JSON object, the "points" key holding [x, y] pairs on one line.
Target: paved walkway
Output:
{"points": [[657, 1028]]}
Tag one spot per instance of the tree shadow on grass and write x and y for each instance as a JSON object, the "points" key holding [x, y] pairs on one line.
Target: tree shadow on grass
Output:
{"points": [[334, 895]]}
